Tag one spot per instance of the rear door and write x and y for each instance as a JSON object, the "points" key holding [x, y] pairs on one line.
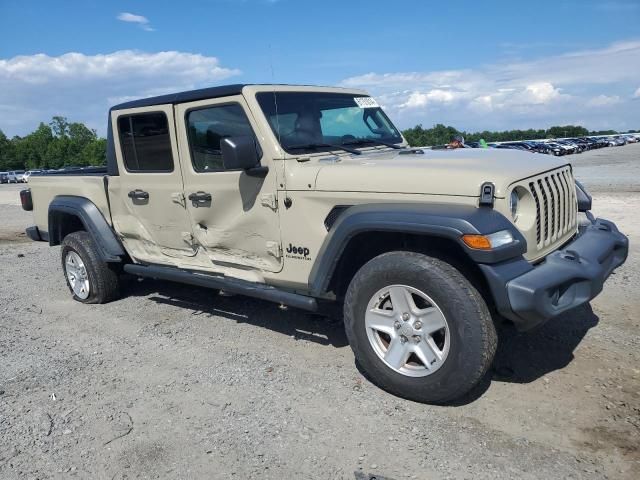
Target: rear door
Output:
{"points": [[147, 202], [233, 214]]}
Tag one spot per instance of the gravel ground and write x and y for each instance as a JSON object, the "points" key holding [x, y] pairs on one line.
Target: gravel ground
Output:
{"points": [[170, 382]]}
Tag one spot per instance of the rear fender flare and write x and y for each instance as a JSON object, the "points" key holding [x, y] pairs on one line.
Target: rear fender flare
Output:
{"points": [[109, 247]]}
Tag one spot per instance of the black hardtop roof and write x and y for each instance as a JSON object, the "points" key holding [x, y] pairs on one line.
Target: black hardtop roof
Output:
{"points": [[182, 97], [191, 96]]}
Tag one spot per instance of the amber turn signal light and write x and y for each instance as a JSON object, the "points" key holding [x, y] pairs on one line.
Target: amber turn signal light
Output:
{"points": [[490, 241], [479, 242]]}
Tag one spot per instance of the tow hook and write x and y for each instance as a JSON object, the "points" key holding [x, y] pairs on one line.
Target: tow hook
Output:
{"points": [[571, 255]]}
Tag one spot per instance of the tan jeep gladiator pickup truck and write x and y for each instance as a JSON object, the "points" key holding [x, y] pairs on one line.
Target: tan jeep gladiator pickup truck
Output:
{"points": [[308, 196]]}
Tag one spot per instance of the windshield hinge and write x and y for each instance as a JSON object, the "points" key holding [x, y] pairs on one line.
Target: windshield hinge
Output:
{"points": [[487, 191], [269, 200]]}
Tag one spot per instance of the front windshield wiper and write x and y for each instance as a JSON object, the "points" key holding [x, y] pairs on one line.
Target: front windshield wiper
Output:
{"points": [[364, 141], [315, 146]]}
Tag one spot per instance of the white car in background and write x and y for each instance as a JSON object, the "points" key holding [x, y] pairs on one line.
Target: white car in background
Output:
{"points": [[28, 174], [16, 176]]}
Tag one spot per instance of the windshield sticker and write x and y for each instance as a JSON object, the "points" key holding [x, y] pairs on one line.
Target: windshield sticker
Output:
{"points": [[366, 102]]}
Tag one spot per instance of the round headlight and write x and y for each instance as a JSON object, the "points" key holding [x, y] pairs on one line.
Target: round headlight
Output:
{"points": [[513, 204]]}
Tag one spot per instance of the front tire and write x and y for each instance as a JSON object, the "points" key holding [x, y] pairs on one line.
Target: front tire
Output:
{"points": [[89, 279], [418, 327]]}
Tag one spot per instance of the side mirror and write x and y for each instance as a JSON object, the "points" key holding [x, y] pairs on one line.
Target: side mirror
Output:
{"points": [[239, 153]]}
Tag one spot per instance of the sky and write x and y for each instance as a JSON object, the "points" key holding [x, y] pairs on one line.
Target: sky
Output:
{"points": [[473, 65]]}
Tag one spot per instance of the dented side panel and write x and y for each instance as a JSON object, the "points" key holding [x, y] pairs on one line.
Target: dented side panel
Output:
{"points": [[239, 228], [155, 229]]}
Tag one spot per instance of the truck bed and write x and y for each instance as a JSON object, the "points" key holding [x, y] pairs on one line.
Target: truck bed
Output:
{"points": [[88, 184]]}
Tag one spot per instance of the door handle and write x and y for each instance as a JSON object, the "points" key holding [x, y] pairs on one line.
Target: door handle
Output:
{"points": [[200, 197], [139, 194]]}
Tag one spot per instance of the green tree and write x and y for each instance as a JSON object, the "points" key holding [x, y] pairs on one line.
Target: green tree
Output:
{"points": [[8, 159], [59, 126]]}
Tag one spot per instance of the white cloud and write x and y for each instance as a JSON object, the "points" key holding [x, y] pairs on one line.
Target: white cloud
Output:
{"points": [[437, 95], [143, 22], [604, 101], [637, 94], [33, 88], [541, 92]]}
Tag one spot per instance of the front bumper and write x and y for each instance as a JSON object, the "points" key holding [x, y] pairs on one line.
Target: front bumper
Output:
{"points": [[571, 276]]}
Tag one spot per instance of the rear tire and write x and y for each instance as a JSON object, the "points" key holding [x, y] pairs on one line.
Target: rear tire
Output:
{"points": [[391, 337], [89, 279]]}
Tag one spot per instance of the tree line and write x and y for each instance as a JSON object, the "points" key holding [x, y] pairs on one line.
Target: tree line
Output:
{"points": [[62, 143], [51, 146], [440, 134]]}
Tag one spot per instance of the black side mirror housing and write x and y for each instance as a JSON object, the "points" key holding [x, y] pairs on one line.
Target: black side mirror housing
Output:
{"points": [[239, 153]]}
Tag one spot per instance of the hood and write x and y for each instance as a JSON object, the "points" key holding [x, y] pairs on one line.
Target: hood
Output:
{"points": [[435, 172]]}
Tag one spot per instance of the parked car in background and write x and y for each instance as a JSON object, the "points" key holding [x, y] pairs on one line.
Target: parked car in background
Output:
{"points": [[519, 146], [569, 147], [16, 176], [4, 177], [556, 149], [29, 173]]}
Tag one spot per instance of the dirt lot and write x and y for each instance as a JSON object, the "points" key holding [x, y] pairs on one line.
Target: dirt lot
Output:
{"points": [[170, 382]]}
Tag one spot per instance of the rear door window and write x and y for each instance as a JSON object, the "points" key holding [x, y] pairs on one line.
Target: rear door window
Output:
{"points": [[145, 142]]}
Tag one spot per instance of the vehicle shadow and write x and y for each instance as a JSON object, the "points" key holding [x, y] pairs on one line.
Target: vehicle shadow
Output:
{"points": [[526, 357], [318, 328], [520, 357]]}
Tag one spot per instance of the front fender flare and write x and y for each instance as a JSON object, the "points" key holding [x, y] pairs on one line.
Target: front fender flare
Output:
{"points": [[435, 220]]}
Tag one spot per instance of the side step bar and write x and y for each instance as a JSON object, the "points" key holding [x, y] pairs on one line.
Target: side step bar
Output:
{"points": [[232, 285]]}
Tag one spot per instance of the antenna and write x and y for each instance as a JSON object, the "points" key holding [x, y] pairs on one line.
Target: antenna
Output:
{"points": [[275, 102]]}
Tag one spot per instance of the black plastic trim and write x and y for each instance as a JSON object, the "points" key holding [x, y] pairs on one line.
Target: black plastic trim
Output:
{"points": [[333, 215], [567, 278], [109, 246], [183, 97], [98, 171], [34, 234], [232, 285], [259, 171], [437, 220], [584, 199], [112, 164]]}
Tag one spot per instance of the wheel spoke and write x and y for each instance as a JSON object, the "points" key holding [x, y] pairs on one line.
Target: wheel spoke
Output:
{"points": [[401, 300], [397, 353], [434, 348], [71, 266], [425, 353], [432, 319], [381, 320]]}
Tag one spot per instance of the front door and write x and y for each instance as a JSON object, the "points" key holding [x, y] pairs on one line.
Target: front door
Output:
{"points": [[234, 214], [147, 202]]}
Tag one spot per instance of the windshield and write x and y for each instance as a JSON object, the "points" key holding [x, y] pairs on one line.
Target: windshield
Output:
{"points": [[307, 122]]}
